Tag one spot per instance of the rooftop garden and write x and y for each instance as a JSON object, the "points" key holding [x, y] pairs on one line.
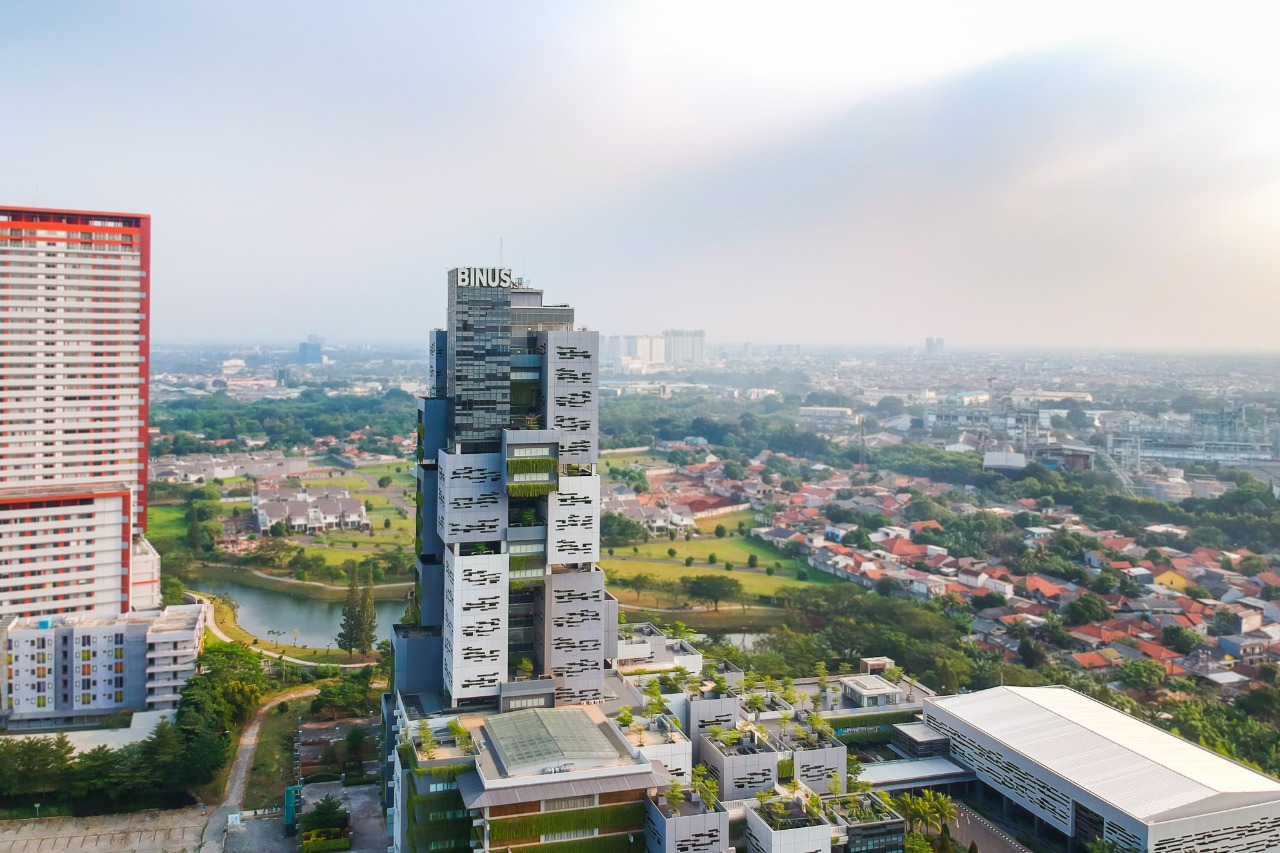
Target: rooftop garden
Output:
{"points": [[783, 813], [859, 808]]}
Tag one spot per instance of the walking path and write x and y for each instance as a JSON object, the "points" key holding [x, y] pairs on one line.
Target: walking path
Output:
{"points": [[215, 831], [212, 624]]}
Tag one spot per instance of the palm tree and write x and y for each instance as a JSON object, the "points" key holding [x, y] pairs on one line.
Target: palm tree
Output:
{"points": [[939, 809]]}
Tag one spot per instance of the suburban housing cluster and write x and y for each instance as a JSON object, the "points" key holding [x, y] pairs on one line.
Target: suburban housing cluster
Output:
{"points": [[521, 716]]}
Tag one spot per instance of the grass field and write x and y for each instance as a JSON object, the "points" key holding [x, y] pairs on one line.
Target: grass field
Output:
{"points": [[404, 479], [393, 589], [623, 460], [165, 521], [747, 517], [735, 549], [752, 582], [272, 767], [730, 618]]}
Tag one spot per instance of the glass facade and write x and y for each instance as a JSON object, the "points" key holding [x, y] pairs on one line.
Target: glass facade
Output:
{"points": [[479, 367]]}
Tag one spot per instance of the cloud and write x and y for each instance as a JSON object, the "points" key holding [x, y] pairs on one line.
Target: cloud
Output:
{"points": [[838, 173]]}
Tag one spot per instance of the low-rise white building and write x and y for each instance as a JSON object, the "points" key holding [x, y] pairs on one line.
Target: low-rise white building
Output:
{"points": [[77, 670], [1090, 772]]}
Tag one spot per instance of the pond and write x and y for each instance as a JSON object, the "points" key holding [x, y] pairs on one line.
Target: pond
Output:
{"points": [[317, 622]]}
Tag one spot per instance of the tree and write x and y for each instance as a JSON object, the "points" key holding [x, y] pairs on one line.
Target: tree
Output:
{"points": [[755, 703], [356, 739], [706, 787], [461, 735], [384, 481], [368, 617], [1199, 591], [641, 582], [427, 740], [720, 531], [171, 590], [917, 843], [1181, 640], [1031, 654], [1145, 674], [712, 589], [675, 794], [1252, 565], [1087, 608], [351, 634]]}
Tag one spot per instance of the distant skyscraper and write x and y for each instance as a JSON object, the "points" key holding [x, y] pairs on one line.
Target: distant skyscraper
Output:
{"points": [[934, 346], [73, 413], [685, 347], [508, 526], [311, 351]]}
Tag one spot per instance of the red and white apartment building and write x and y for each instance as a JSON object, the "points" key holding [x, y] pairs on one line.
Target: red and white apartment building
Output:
{"points": [[74, 346]]}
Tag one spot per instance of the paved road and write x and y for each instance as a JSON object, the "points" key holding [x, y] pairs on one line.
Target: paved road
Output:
{"points": [[215, 831], [991, 839], [140, 832]]}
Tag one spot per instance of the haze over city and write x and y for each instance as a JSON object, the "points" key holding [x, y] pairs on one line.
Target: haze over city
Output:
{"points": [[835, 175]]}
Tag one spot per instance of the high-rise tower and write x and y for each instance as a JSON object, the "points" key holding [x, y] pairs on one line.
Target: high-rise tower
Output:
{"points": [[511, 609], [75, 308]]}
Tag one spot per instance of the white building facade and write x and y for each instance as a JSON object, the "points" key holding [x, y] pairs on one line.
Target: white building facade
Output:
{"points": [[75, 302]]}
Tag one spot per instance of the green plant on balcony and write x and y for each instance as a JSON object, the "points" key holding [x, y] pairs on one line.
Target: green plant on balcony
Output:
{"points": [[531, 465], [530, 490], [606, 818]]}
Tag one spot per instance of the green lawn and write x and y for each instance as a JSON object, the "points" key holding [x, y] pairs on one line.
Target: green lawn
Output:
{"points": [[735, 549], [272, 767], [623, 460], [404, 479], [165, 521], [752, 582], [345, 481], [730, 521], [335, 556]]}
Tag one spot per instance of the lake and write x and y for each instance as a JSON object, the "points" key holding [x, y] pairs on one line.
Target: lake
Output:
{"points": [[317, 622]]}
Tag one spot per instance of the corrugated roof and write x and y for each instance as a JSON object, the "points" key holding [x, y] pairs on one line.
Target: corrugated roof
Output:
{"points": [[1139, 769]]}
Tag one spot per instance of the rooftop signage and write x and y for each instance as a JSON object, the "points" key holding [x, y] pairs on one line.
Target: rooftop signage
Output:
{"points": [[482, 277]]}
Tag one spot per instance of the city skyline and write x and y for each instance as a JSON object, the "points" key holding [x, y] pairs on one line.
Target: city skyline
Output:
{"points": [[1121, 164]]}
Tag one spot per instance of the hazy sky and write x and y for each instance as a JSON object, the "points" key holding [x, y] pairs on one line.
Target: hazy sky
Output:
{"points": [[995, 173]]}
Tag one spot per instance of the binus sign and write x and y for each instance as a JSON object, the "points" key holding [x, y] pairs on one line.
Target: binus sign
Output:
{"points": [[483, 277]]}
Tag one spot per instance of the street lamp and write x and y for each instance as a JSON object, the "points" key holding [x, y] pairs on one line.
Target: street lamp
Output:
{"points": [[37, 805]]}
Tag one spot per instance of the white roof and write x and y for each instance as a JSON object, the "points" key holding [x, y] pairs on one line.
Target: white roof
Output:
{"points": [[1139, 769]]}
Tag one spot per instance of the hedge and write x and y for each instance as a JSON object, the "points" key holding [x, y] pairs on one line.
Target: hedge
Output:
{"points": [[849, 738], [321, 777], [546, 823], [864, 720], [786, 769], [349, 781], [325, 846]]}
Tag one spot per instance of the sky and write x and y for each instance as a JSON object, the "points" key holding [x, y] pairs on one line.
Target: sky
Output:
{"points": [[1082, 174]]}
